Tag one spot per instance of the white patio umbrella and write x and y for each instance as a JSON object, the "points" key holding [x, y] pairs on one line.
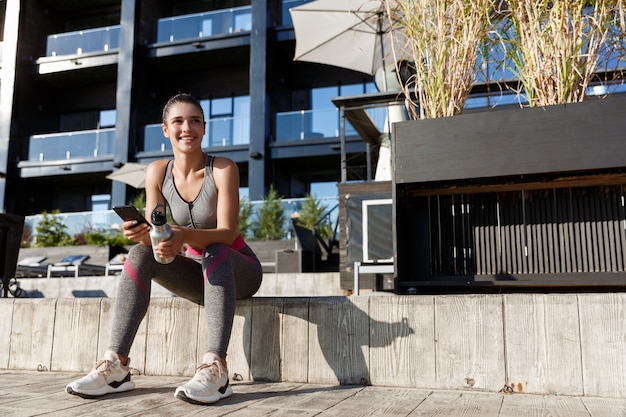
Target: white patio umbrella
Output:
{"points": [[131, 173], [353, 34]]}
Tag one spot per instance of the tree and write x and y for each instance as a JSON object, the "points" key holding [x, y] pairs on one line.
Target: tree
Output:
{"points": [[52, 232], [311, 214], [271, 218]]}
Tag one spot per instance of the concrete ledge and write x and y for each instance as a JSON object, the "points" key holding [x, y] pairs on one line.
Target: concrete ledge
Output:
{"points": [[274, 285], [565, 344]]}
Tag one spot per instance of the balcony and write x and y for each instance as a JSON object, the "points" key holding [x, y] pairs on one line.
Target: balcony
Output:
{"points": [[71, 145], [286, 5], [316, 124], [206, 24], [84, 41], [220, 132]]}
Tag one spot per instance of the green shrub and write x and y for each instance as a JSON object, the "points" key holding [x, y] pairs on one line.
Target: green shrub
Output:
{"points": [[245, 221], [102, 237]]}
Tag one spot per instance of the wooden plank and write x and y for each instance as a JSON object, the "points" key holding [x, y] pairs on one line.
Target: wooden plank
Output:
{"points": [[238, 354], [603, 343], [392, 402], [590, 241], [563, 220], [605, 407], [32, 334], [581, 237], [402, 341], [339, 338], [137, 353], [611, 240], [459, 404], [171, 340], [531, 405], [265, 341], [556, 181], [6, 328], [303, 400], [604, 240], [543, 343], [75, 345], [621, 228], [294, 346], [469, 342]]}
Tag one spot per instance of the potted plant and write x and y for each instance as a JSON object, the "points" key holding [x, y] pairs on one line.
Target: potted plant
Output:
{"points": [[450, 171]]}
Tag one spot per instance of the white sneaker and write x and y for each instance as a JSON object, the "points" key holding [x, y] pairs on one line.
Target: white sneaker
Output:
{"points": [[209, 385], [108, 376]]}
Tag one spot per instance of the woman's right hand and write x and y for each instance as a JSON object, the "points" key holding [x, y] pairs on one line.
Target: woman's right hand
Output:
{"points": [[136, 232]]}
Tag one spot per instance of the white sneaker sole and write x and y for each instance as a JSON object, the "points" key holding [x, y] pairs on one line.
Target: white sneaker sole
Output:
{"points": [[182, 394], [107, 389]]}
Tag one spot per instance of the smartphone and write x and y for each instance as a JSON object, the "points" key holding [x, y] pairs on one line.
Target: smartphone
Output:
{"points": [[130, 213]]}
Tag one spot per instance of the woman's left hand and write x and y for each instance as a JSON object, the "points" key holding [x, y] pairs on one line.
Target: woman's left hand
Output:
{"points": [[172, 246]]}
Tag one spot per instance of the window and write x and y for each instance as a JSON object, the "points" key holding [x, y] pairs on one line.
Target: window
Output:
{"points": [[228, 121], [107, 118]]}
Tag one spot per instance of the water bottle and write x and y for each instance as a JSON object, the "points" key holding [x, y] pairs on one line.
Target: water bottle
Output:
{"points": [[160, 231]]}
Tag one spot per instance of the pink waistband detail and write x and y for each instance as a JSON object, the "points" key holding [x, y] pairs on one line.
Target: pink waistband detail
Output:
{"points": [[238, 244]]}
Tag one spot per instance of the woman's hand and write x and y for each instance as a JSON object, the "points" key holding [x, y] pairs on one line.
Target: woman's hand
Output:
{"points": [[136, 232], [172, 246]]}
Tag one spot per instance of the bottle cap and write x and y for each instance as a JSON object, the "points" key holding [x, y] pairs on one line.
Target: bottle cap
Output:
{"points": [[159, 217]]}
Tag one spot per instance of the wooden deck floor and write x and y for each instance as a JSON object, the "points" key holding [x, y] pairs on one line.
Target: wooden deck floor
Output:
{"points": [[27, 393]]}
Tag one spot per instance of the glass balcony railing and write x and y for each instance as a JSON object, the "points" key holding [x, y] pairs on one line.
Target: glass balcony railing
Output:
{"points": [[315, 124], [223, 131], [108, 220], [202, 25], [286, 5], [84, 41], [71, 145], [153, 139]]}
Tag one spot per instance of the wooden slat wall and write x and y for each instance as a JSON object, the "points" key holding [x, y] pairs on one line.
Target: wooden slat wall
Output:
{"points": [[564, 344], [528, 232]]}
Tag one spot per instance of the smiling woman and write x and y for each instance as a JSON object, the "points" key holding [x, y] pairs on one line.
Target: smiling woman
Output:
{"points": [[202, 192]]}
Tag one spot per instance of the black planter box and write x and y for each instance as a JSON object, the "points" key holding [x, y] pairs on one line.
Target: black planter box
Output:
{"points": [[511, 198]]}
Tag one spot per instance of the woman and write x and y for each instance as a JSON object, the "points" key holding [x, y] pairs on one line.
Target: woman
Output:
{"points": [[218, 267]]}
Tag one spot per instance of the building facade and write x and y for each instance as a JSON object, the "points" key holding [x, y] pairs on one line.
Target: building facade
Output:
{"points": [[83, 84]]}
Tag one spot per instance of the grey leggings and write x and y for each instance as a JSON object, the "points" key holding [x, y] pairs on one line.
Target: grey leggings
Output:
{"points": [[225, 275]]}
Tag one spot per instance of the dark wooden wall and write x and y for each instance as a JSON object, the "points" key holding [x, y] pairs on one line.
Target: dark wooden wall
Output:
{"points": [[495, 143]]}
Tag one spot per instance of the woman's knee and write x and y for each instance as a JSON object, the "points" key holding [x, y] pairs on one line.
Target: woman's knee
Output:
{"points": [[214, 250], [140, 251]]}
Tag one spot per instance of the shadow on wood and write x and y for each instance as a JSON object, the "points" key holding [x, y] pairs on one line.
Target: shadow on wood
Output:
{"points": [[324, 340]]}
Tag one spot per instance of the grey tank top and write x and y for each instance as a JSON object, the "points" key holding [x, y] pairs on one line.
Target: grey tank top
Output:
{"points": [[201, 213]]}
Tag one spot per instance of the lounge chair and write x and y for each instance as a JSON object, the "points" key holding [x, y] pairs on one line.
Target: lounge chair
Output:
{"points": [[32, 267], [115, 264], [75, 266]]}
